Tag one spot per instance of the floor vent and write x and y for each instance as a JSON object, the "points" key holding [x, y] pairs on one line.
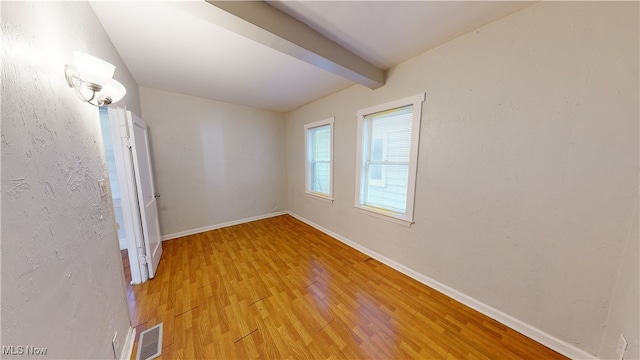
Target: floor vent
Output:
{"points": [[150, 343]]}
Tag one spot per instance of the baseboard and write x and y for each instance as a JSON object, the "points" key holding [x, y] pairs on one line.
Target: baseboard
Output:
{"points": [[532, 332], [219, 226], [127, 349]]}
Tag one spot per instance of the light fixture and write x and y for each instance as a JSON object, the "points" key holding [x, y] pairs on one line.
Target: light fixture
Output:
{"points": [[92, 78]]}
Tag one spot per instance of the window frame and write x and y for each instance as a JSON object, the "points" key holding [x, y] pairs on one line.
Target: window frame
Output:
{"points": [[406, 218], [307, 162]]}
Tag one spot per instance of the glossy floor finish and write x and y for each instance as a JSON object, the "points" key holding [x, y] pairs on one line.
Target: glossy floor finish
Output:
{"points": [[280, 289]]}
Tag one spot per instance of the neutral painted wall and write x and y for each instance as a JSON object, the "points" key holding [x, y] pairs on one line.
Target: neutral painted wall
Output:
{"points": [[527, 169], [62, 280], [214, 162], [624, 315]]}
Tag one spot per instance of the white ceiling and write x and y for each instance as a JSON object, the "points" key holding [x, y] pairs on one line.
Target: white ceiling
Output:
{"points": [[166, 46]]}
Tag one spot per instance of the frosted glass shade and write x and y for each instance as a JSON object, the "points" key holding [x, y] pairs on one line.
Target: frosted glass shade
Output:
{"points": [[92, 69], [114, 90]]}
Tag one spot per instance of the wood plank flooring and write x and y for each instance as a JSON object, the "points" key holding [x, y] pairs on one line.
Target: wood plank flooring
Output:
{"points": [[280, 289]]}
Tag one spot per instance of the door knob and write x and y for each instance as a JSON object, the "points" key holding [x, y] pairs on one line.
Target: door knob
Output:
{"points": [[156, 195]]}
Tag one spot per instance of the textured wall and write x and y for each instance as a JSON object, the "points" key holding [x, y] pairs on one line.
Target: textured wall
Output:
{"points": [[62, 279], [214, 162], [527, 169]]}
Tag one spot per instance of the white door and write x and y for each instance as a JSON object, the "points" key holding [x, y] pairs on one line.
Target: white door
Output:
{"points": [[146, 191], [128, 193]]}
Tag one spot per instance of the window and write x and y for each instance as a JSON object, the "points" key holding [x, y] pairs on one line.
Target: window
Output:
{"points": [[387, 158], [319, 160]]}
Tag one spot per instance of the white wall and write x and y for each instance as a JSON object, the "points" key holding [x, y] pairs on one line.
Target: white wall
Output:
{"points": [[214, 162], [62, 280], [527, 170], [624, 312]]}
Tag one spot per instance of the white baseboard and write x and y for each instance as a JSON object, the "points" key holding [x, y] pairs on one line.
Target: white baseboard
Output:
{"points": [[534, 333], [219, 226], [127, 349]]}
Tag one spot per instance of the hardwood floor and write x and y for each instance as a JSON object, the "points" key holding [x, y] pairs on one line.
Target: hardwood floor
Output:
{"points": [[280, 289]]}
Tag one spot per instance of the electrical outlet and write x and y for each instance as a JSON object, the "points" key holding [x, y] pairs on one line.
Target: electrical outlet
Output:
{"points": [[622, 347], [116, 346], [103, 184]]}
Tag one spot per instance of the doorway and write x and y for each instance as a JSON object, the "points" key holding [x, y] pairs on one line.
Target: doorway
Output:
{"points": [[127, 155], [116, 197]]}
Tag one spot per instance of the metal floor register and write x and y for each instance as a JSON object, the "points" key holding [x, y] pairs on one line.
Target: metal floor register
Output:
{"points": [[150, 343]]}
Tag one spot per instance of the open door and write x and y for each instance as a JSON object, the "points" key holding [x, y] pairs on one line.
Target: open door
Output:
{"points": [[119, 134], [147, 195]]}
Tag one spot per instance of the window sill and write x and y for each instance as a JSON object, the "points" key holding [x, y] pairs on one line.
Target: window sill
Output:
{"points": [[383, 215], [322, 198]]}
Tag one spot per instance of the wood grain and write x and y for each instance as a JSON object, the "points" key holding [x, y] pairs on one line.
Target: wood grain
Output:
{"points": [[280, 289]]}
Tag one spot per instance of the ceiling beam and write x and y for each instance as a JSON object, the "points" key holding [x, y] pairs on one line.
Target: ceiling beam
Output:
{"points": [[269, 26]]}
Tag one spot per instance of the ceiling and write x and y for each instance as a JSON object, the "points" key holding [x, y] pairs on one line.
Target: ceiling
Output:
{"points": [[176, 46]]}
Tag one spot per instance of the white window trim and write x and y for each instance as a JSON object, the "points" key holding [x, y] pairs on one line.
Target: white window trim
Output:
{"points": [[307, 170], [407, 218]]}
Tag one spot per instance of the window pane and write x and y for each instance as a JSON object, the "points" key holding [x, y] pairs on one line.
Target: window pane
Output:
{"points": [[399, 143], [321, 175], [376, 149], [393, 195], [394, 129], [387, 172], [320, 143], [320, 159], [375, 172]]}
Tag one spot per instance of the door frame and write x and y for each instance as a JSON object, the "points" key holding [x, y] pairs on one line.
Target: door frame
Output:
{"points": [[128, 193], [147, 195]]}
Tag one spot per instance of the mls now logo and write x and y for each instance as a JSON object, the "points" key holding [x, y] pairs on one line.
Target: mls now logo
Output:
{"points": [[23, 350]]}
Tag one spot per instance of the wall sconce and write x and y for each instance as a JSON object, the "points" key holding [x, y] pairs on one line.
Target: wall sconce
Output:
{"points": [[92, 78]]}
